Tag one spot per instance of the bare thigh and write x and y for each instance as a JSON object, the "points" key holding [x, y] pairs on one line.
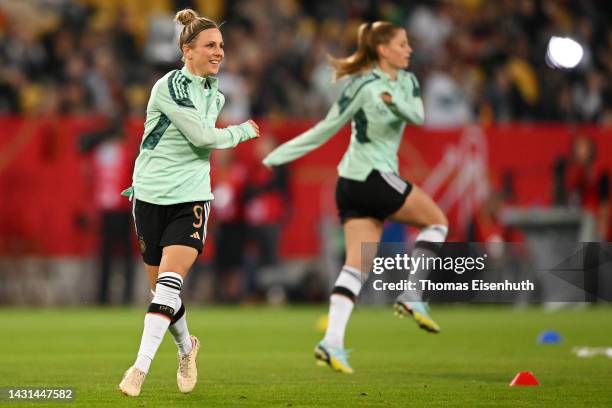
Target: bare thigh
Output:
{"points": [[358, 231], [175, 258], [419, 210]]}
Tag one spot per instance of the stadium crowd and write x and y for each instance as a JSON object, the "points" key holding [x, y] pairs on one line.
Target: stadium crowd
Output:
{"points": [[478, 61]]}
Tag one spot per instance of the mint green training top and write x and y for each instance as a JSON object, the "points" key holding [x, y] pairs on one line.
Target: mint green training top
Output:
{"points": [[173, 165], [376, 128]]}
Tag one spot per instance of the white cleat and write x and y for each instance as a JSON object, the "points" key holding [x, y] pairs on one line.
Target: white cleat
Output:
{"points": [[132, 382], [187, 373]]}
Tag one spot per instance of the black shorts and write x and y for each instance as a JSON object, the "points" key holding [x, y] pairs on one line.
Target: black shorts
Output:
{"points": [[379, 196], [158, 226]]}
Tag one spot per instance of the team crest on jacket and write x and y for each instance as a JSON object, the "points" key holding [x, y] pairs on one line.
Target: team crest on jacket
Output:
{"points": [[381, 108]]}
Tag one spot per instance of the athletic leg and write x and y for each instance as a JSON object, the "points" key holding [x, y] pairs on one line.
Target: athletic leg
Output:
{"points": [[178, 327], [347, 287], [421, 211], [165, 306], [175, 264]]}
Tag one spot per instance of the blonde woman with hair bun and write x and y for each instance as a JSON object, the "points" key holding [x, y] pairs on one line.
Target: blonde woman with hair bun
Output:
{"points": [[171, 191]]}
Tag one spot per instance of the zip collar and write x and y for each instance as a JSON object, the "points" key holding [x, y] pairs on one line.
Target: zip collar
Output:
{"points": [[383, 75], [207, 82]]}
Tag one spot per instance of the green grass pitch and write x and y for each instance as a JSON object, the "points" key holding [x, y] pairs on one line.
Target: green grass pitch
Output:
{"points": [[262, 357]]}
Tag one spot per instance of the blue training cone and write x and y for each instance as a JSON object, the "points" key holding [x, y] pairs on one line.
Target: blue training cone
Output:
{"points": [[549, 337]]}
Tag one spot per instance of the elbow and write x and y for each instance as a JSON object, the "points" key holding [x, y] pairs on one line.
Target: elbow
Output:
{"points": [[419, 114], [205, 140], [416, 119], [202, 142], [419, 117]]}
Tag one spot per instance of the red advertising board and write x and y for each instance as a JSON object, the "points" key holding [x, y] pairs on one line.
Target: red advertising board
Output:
{"points": [[46, 189]]}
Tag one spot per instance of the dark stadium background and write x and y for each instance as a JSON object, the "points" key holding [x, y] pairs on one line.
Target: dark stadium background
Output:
{"points": [[503, 134]]}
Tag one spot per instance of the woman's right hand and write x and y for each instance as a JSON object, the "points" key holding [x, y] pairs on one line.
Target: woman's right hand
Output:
{"points": [[387, 98], [255, 126]]}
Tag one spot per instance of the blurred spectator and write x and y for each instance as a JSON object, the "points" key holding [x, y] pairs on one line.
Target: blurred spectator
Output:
{"points": [[588, 97], [76, 98], [524, 80], [10, 83], [161, 48], [429, 27], [237, 94], [267, 203], [112, 171], [564, 109], [229, 180], [104, 84], [472, 57], [584, 185], [446, 102], [498, 95], [103, 91], [487, 227]]}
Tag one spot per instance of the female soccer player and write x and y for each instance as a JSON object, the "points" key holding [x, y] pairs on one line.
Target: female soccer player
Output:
{"points": [[380, 98], [171, 189]]}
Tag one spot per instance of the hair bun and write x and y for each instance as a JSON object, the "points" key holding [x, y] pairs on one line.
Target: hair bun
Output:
{"points": [[186, 16]]}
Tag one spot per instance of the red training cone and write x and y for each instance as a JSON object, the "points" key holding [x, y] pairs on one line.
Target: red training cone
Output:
{"points": [[524, 378]]}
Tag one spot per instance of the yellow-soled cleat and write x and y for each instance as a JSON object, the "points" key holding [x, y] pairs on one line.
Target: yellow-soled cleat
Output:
{"points": [[419, 313], [336, 358]]}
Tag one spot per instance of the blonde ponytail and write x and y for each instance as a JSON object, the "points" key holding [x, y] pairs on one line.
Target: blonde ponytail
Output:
{"points": [[369, 37]]}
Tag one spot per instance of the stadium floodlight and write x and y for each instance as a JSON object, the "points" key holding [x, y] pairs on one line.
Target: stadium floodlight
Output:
{"points": [[563, 52]]}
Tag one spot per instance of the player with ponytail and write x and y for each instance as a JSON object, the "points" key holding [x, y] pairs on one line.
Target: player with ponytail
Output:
{"points": [[379, 100]]}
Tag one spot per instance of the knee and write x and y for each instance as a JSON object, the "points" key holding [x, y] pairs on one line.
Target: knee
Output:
{"points": [[362, 261], [352, 262], [352, 256], [433, 218], [175, 264], [436, 217]]}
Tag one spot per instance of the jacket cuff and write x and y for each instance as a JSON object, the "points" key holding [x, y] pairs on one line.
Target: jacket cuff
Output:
{"points": [[247, 131]]}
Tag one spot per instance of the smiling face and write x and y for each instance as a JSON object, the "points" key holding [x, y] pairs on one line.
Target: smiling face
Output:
{"points": [[203, 55], [396, 53]]}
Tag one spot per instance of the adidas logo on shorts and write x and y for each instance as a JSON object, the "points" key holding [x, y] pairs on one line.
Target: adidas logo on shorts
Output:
{"points": [[196, 235]]}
